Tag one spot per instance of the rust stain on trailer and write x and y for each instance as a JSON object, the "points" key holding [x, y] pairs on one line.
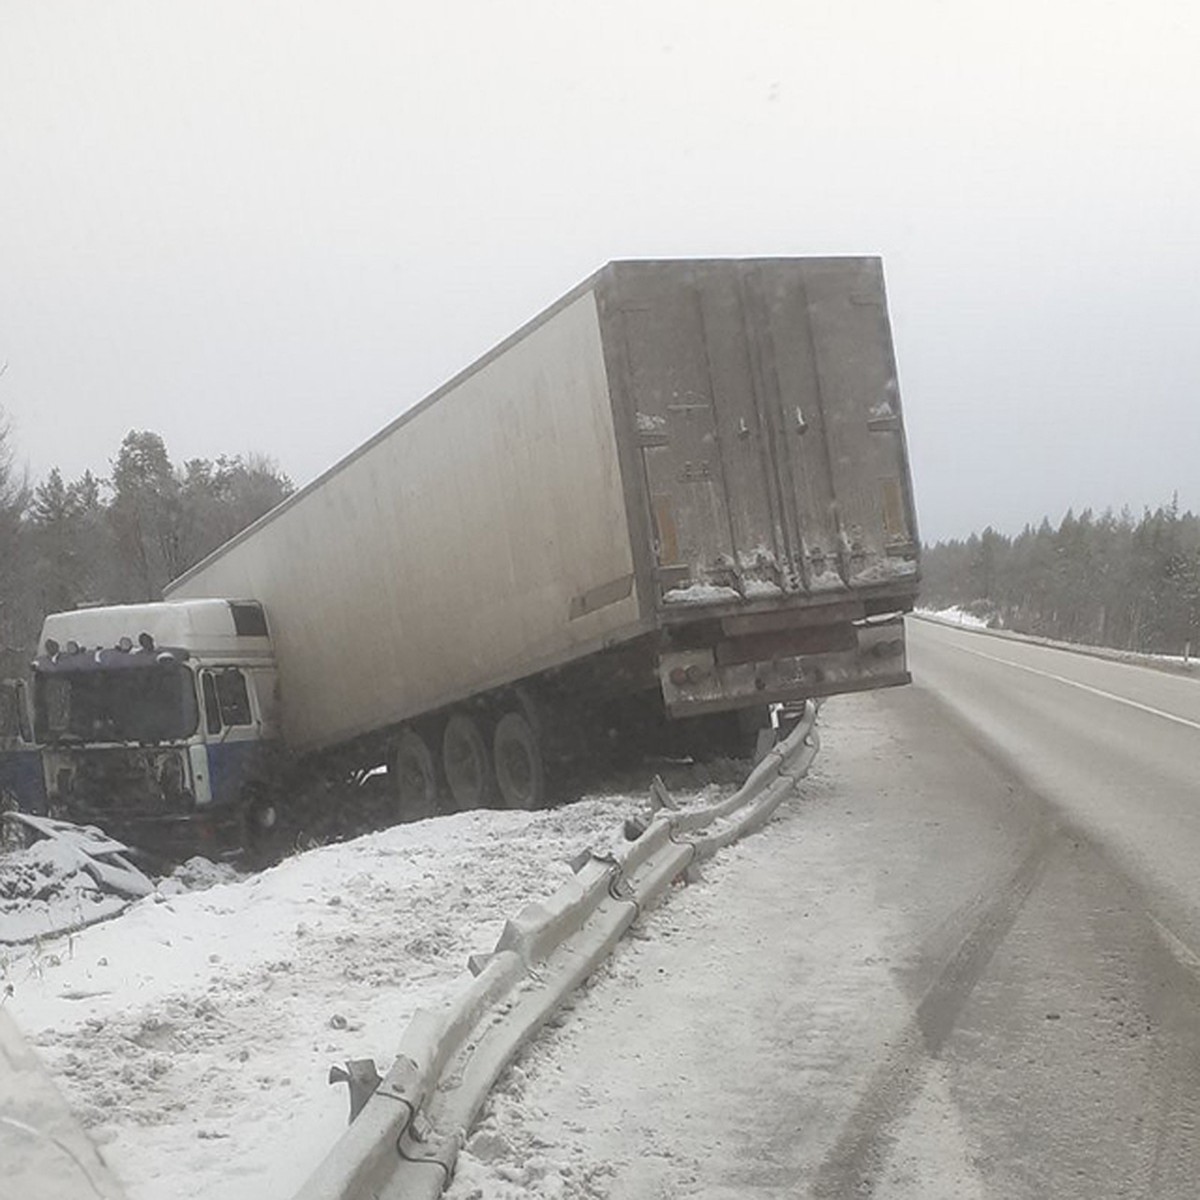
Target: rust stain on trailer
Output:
{"points": [[600, 596], [895, 524], [668, 531]]}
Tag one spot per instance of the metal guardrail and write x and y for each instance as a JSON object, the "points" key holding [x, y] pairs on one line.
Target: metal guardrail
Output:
{"points": [[1183, 665], [405, 1140]]}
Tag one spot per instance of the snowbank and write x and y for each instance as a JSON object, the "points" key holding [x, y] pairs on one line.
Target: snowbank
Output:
{"points": [[954, 616], [213, 1016]]}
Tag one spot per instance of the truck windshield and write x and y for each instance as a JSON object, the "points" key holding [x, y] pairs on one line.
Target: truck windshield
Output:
{"points": [[155, 703]]}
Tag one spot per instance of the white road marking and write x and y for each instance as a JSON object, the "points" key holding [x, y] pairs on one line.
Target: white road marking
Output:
{"points": [[1083, 687]]}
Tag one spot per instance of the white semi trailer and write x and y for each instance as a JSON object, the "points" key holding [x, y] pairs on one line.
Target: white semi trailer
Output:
{"points": [[677, 496]]}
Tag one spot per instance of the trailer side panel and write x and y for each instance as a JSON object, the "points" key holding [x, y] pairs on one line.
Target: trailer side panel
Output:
{"points": [[482, 539]]}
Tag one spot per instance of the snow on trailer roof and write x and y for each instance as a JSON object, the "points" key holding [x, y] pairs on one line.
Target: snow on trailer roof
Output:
{"points": [[204, 627]]}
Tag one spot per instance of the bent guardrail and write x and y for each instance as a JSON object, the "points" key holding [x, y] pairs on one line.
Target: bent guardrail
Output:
{"points": [[406, 1137]]}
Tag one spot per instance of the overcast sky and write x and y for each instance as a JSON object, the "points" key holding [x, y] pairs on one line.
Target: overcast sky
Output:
{"points": [[271, 227]]}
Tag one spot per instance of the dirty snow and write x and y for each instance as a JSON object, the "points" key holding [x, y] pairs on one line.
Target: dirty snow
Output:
{"points": [[884, 569], [701, 593], [725, 1045], [193, 1035], [826, 580], [759, 589], [650, 422]]}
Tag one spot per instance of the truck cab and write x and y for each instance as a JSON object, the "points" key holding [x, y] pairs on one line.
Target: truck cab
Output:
{"points": [[157, 721]]}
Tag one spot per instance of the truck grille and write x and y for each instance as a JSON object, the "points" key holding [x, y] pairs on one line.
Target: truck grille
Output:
{"points": [[146, 780]]}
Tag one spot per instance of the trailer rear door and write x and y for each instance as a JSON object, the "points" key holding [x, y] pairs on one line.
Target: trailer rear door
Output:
{"points": [[767, 412]]}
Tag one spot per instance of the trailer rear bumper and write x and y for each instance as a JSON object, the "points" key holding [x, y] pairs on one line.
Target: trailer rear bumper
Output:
{"points": [[718, 678]]}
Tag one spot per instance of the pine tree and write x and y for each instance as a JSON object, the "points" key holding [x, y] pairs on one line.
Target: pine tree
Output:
{"points": [[14, 603], [1112, 580]]}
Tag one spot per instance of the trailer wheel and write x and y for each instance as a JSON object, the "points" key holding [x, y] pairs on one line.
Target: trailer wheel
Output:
{"points": [[520, 773], [466, 763], [414, 777]]}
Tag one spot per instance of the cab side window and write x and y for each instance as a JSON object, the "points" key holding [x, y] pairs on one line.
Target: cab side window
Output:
{"points": [[23, 722], [233, 698], [212, 709], [226, 700]]}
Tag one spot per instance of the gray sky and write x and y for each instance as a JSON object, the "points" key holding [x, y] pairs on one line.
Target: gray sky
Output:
{"points": [[274, 225]]}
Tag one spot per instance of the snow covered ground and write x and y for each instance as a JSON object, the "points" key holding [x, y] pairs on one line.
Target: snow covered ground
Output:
{"points": [[954, 616], [193, 1034], [756, 1038], [652, 1084]]}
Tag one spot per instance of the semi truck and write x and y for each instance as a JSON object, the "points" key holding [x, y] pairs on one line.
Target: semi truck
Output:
{"points": [[677, 497]]}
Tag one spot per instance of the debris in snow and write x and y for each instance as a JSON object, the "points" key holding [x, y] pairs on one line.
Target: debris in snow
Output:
{"points": [[70, 877]]}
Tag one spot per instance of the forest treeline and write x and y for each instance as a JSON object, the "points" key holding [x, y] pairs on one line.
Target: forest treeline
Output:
{"points": [[1114, 580], [118, 538]]}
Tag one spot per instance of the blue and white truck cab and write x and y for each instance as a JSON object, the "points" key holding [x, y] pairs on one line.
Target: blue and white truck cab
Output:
{"points": [[159, 721]]}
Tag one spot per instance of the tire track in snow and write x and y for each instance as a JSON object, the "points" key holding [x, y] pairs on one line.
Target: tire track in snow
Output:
{"points": [[853, 1164]]}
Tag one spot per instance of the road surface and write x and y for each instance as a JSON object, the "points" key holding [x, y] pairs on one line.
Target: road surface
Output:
{"points": [[964, 964]]}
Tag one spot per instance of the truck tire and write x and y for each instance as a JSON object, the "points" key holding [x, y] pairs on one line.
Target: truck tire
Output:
{"points": [[262, 838], [13, 835], [467, 764], [520, 772], [414, 777]]}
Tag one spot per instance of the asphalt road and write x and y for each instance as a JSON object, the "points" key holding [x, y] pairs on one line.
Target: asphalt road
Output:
{"points": [[1072, 1034], [1113, 749], [963, 965]]}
